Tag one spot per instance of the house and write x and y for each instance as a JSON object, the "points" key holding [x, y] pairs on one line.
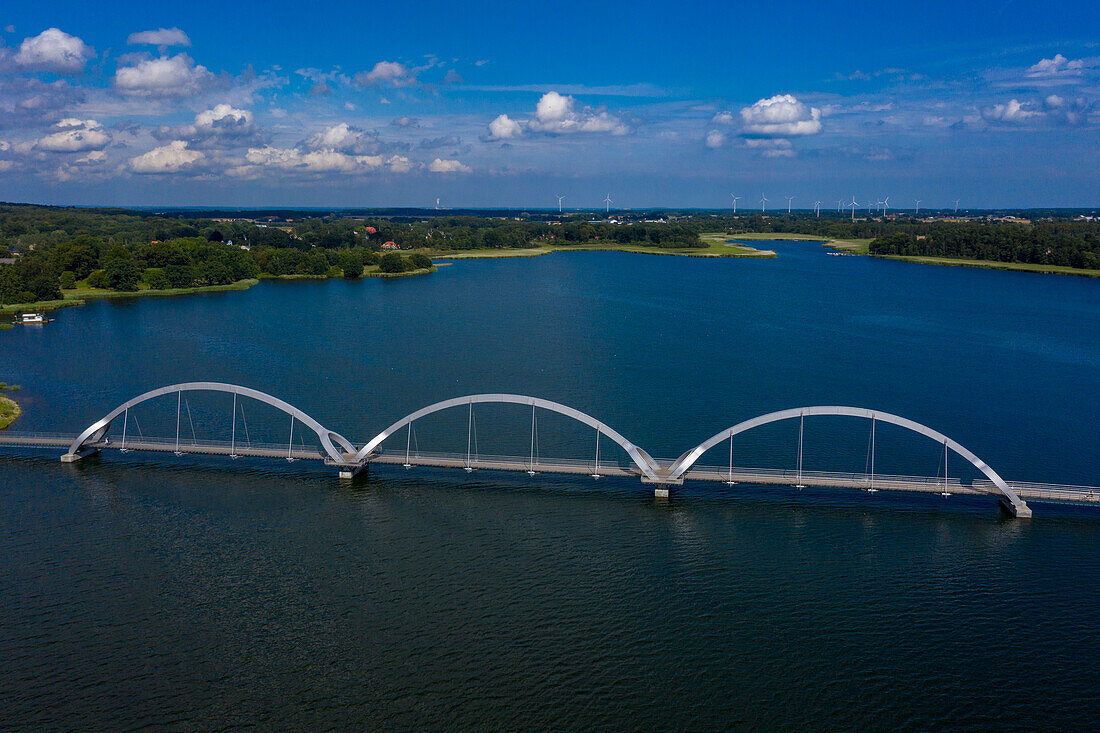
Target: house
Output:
{"points": [[389, 245]]}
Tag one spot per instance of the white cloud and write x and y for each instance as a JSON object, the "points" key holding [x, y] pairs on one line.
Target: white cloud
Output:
{"points": [[54, 50], [557, 114], [1057, 66], [92, 158], [781, 116], [715, 139], [74, 136], [724, 117], [167, 76], [225, 119], [170, 158], [160, 37], [771, 147], [1011, 111], [504, 128], [341, 137], [447, 166], [399, 164], [315, 161], [392, 73]]}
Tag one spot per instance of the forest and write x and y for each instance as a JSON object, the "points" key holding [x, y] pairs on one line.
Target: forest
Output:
{"points": [[48, 249]]}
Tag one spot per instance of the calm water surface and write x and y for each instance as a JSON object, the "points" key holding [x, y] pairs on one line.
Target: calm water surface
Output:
{"points": [[195, 593]]}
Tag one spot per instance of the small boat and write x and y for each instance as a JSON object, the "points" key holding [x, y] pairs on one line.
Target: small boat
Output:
{"points": [[31, 319]]}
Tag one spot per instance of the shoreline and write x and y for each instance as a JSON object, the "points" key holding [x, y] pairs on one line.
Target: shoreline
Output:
{"points": [[9, 411], [718, 246], [80, 296]]}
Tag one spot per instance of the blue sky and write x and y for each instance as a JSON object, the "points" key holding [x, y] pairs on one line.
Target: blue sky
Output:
{"points": [[492, 104]]}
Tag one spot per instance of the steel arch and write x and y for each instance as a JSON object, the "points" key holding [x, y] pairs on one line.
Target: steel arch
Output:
{"points": [[641, 459], [98, 429], [684, 462]]}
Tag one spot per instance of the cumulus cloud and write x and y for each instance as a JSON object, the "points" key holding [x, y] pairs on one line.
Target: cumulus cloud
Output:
{"points": [[504, 128], [556, 113], [159, 37], [226, 120], [93, 158], [54, 50], [715, 139], [343, 138], [74, 136], [167, 76], [724, 117], [387, 73], [1059, 66], [447, 166], [406, 121], [1011, 112], [314, 161], [170, 158], [781, 116]]}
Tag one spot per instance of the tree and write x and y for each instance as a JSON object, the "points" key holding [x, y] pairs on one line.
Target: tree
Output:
{"points": [[97, 279], [215, 236], [420, 261], [392, 263], [351, 264], [67, 280], [121, 269], [155, 278]]}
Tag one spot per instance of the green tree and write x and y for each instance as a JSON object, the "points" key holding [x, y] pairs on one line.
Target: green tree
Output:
{"points": [[391, 262], [155, 278], [121, 269]]}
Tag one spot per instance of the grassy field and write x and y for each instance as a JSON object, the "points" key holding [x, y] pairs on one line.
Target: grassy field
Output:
{"points": [[42, 305], [717, 246], [9, 410], [373, 271], [994, 265], [84, 293]]}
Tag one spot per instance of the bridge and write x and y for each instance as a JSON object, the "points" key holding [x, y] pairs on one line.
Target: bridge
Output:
{"points": [[335, 450]]}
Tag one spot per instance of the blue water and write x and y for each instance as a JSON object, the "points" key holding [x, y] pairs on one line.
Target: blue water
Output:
{"points": [[140, 590]]}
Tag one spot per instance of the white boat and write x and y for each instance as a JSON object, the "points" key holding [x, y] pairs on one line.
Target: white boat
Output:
{"points": [[33, 318]]}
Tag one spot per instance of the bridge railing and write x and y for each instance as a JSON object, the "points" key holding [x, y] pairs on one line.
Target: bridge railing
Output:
{"points": [[521, 462], [790, 475], [1051, 492]]}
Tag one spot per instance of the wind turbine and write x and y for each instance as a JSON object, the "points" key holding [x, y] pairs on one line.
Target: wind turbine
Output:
{"points": [[559, 202], [885, 206], [817, 209], [839, 203], [918, 208], [734, 203], [853, 205], [956, 206], [789, 200], [607, 202], [763, 202]]}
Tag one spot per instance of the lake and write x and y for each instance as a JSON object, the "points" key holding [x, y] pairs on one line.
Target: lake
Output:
{"points": [[198, 592]]}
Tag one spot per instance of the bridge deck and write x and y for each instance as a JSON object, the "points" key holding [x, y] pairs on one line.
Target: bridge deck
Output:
{"points": [[754, 476]]}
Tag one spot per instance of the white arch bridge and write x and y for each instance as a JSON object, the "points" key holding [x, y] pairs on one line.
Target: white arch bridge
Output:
{"points": [[336, 450]]}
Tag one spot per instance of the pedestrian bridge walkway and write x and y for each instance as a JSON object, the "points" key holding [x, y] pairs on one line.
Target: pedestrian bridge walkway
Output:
{"points": [[335, 450]]}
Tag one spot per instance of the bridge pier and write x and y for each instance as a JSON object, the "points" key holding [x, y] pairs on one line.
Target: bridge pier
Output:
{"points": [[82, 453], [1021, 511], [351, 470]]}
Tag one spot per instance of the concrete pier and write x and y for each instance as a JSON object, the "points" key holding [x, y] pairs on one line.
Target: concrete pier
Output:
{"points": [[83, 453], [350, 471]]}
